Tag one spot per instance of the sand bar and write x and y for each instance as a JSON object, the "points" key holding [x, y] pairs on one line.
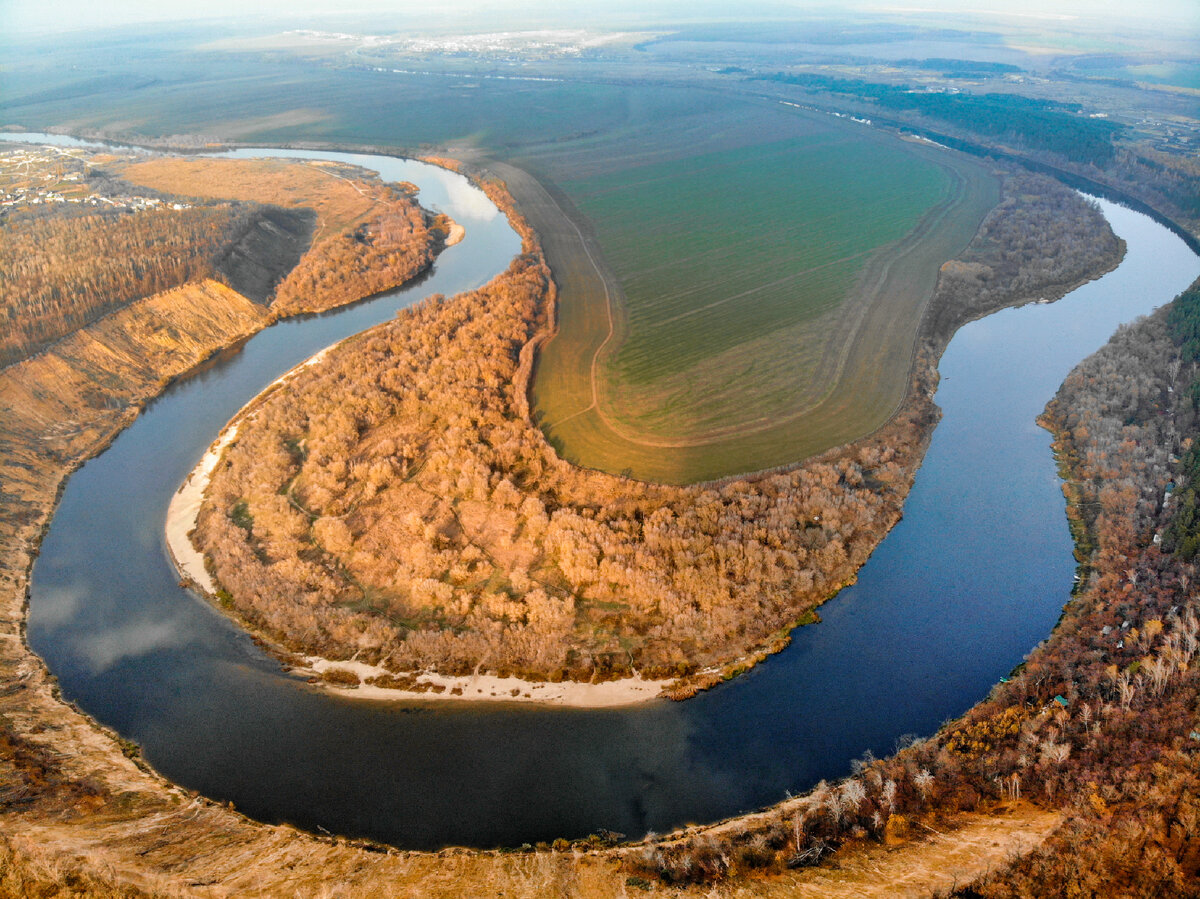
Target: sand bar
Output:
{"points": [[183, 512], [490, 688]]}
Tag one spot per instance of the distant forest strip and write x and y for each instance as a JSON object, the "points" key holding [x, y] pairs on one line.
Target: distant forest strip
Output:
{"points": [[1059, 128], [1182, 536], [1042, 133], [1099, 722]]}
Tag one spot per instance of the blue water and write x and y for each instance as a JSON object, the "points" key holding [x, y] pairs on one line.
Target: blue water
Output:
{"points": [[971, 579]]}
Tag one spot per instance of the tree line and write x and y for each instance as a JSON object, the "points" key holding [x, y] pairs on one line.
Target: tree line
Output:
{"points": [[1027, 122], [1040, 242], [64, 266], [61, 272], [396, 244]]}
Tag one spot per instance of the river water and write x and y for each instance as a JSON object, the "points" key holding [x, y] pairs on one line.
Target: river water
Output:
{"points": [[971, 579]]}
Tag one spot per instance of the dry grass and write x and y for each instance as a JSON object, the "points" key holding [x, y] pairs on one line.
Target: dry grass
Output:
{"points": [[341, 199], [940, 861]]}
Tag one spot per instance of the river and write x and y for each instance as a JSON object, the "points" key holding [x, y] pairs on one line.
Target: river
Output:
{"points": [[970, 580]]}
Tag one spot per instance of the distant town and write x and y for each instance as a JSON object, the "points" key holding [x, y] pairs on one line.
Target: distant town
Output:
{"points": [[40, 176]]}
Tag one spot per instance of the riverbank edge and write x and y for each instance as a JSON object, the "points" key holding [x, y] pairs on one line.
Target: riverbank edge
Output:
{"points": [[499, 181], [338, 676], [182, 513], [917, 404], [121, 843]]}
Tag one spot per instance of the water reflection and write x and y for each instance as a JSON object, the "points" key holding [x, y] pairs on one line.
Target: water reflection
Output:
{"points": [[972, 577]]}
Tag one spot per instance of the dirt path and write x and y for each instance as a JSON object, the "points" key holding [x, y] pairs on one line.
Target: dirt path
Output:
{"points": [[941, 862], [196, 849]]}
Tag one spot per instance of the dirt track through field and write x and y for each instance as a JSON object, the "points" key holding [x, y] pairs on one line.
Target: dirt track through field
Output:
{"points": [[861, 371]]}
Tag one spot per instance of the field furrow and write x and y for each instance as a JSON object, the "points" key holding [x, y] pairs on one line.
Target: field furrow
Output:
{"points": [[732, 309]]}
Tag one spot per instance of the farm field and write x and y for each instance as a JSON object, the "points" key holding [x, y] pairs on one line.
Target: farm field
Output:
{"points": [[329, 190], [736, 242], [760, 303]]}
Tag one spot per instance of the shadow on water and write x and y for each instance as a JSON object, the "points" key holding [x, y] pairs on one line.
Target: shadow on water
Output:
{"points": [[971, 579]]}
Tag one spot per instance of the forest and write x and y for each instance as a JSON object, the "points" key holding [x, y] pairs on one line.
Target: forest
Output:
{"points": [[1020, 252], [368, 236], [64, 267], [58, 274], [1028, 122], [1182, 535], [396, 244], [396, 505]]}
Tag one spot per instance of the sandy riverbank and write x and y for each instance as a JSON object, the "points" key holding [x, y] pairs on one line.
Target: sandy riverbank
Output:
{"points": [[490, 688], [184, 507], [184, 510], [182, 514]]}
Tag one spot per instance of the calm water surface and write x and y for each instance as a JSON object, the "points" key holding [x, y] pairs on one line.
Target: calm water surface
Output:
{"points": [[972, 578]]}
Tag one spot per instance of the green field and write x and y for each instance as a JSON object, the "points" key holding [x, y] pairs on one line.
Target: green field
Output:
{"points": [[732, 248], [762, 301]]}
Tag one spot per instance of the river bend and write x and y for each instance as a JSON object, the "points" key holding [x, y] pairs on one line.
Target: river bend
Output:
{"points": [[972, 578]]}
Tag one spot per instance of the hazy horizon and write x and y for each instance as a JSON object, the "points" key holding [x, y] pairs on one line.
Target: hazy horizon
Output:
{"points": [[41, 17]]}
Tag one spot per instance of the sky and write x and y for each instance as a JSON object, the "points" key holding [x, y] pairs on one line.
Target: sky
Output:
{"points": [[32, 16]]}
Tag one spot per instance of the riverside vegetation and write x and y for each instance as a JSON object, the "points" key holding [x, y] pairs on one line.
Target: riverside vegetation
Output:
{"points": [[151, 291], [1118, 763], [138, 304], [369, 236], [396, 505], [78, 816], [291, 236], [1099, 724]]}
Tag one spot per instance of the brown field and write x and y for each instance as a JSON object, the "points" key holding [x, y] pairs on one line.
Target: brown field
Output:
{"points": [[338, 194]]}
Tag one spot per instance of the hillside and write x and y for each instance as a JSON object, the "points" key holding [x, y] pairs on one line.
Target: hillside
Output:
{"points": [[368, 237], [79, 243]]}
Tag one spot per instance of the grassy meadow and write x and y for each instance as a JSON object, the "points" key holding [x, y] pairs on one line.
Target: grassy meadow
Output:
{"points": [[762, 301]]}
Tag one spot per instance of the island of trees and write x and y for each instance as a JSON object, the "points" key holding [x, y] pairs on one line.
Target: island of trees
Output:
{"points": [[396, 505]]}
